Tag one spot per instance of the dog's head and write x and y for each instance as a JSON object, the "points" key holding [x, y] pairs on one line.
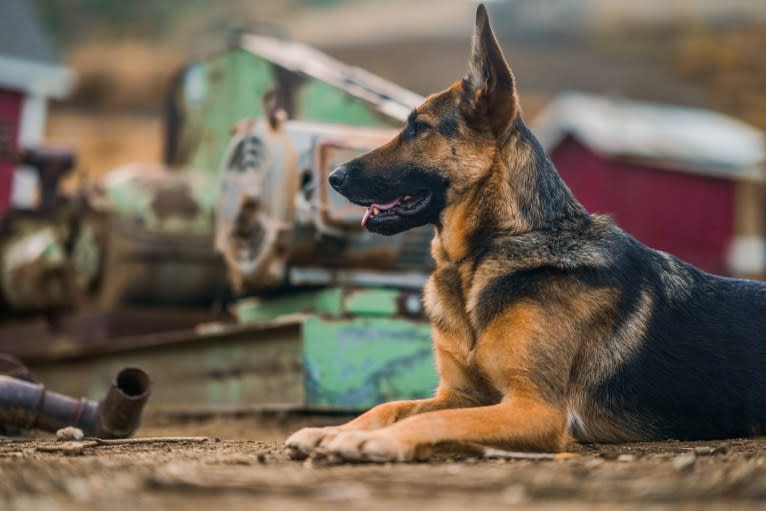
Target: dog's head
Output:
{"points": [[450, 143]]}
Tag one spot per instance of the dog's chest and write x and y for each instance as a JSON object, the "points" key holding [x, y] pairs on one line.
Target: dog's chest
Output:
{"points": [[456, 340], [445, 302]]}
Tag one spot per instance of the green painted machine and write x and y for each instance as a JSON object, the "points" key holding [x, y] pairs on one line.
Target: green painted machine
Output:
{"points": [[296, 249], [210, 95], [50, 248], [161, 218]]}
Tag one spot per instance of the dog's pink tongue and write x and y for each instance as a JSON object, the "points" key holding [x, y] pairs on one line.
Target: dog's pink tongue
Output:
{"points": [[380, 207]]}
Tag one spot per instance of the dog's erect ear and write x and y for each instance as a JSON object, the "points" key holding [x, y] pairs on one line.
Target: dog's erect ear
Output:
{"points": [[489, 90]]}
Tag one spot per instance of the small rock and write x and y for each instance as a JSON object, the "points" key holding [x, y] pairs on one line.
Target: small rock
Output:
{"points": [[69, 433], [78, 489], [684, 462], [514, 494], [703, 450], [626, 458], [261, 457], [595, 462], [344, 492]]}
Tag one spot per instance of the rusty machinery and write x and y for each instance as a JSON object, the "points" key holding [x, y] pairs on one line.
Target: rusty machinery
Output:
{"points": [[279, 223], [25, 403], [290, 243], [49, 248]]}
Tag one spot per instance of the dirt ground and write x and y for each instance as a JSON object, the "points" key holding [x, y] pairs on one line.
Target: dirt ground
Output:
{"points": [[242, 465]]}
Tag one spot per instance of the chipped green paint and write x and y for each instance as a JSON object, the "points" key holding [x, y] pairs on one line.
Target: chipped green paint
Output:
{"points": [[162, 201], [318, 101], [86, 256], [25, 261], [356, 353], [232, 369], [323, 301], [311, 362], [332, 301], [37, 271], [127, 197], [228, 87], [233, 83], [360, 362], [371, 302]]}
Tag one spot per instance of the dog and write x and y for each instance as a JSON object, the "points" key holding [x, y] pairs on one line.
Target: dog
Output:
{"points": [[550, 324]]}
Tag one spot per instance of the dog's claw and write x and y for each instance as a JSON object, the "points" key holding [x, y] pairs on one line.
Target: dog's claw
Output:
{"points": [[303, 442], [295, 453], [374, 446], [347, 444]]}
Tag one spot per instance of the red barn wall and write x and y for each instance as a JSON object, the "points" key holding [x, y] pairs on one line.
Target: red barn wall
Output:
{"points": [[688, 215], [10, 114]]}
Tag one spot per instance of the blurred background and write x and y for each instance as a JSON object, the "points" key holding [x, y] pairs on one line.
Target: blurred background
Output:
{"points": [[688, 52], [140, 223]]}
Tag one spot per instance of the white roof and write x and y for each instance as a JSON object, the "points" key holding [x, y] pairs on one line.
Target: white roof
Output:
{"points": [[670, 136], [37, 78]]}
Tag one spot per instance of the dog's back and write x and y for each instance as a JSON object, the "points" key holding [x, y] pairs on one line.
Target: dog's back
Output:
{"points": [[700, 367], [685, 358]]}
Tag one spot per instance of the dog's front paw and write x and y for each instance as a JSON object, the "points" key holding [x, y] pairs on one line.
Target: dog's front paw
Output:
{"points": [[304, 441], [378, 446]]}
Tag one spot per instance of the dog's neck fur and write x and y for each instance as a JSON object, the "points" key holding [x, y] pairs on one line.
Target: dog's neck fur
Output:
{"points": [[520, 193]]}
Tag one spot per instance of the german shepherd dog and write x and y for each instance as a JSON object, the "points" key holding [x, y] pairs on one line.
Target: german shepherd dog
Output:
{"points": [[549, 323]]}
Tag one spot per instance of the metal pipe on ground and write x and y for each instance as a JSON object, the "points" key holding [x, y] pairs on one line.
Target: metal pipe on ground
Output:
{"points": [[31, 405]]}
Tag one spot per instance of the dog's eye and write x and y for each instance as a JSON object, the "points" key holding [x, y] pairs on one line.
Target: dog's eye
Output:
{"points": [[416, 128]]}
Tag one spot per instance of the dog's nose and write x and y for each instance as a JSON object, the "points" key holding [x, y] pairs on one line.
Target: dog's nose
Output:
{"points": [[338, 177]]}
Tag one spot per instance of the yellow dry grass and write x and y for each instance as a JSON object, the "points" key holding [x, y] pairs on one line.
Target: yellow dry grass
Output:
{"points": [[123, 75], [113, 116], [731, 63], [105, 141]]}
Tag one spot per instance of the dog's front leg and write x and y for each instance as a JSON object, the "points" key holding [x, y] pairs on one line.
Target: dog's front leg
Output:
{"points": [[307, 439], [519, 422]]}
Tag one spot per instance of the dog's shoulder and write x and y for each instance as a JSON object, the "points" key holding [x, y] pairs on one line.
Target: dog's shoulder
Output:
{"points": [[548, 266], [594, 245]]}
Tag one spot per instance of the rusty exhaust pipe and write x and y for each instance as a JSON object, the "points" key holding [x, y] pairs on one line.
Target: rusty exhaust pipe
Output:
{"points": [[30, 405]]}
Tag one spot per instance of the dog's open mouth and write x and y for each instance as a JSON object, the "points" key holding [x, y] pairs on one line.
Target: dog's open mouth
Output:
{"points": [[405, 205]]}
